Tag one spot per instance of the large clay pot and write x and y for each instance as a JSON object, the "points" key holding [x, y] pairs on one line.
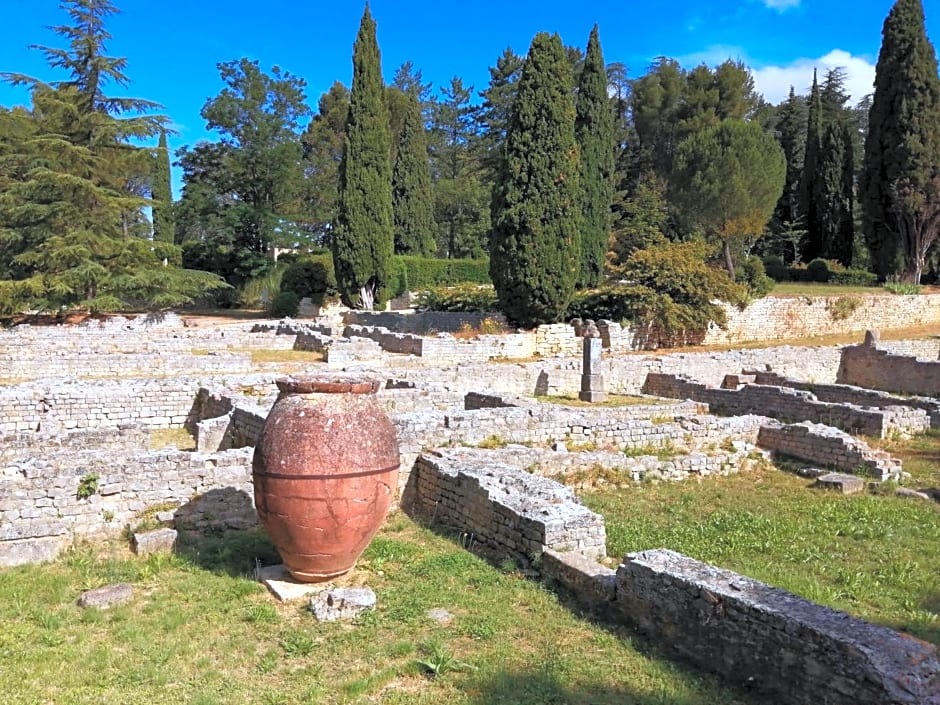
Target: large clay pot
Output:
{"points": [[325, 469]]}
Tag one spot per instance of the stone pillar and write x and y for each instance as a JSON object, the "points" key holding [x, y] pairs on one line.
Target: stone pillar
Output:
{"points": [[592, 382]]}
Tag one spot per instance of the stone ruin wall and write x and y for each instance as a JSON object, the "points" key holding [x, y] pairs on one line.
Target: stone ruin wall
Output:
{"points": [[806, 317], [870, 365], [792, 406], [764, 319], [757, 636], [848, 394]]}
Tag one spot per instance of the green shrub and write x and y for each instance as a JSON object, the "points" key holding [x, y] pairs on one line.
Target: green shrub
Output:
{"points": [[311, 276], [413, 273], [896, 286], [613, 303], [465, 298], [673, 290], [751, 274], [285, 304], [818, 271], [775, 268], [853, 277]]}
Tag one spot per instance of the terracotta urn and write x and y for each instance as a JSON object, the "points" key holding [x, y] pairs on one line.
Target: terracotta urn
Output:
{"points": [[325, 470]]}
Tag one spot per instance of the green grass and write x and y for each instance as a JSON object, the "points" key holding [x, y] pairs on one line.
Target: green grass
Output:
{"points": [[200, 631], [819, 289], [613, 400], [874, 556]]}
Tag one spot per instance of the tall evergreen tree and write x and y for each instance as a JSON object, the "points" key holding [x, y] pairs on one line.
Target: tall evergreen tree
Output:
{"points": [[161, 193], [412, 202], [71, 204], [497, 106], [835, 201], [900, 180], [363, 242], [461, 203], [791, 133], [727, 181], [808, 183], [323, 151], [534, 259], [594, 130]]}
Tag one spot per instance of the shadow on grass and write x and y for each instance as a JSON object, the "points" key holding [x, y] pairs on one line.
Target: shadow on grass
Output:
{"points": [[219, 532], [543, 688]]}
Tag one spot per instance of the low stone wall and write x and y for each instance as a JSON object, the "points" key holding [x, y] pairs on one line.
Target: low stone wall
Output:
{"points": [[867, 366], [55, 406], [595, 468], [769, 640], [122, 438], [423, 323], [828, 447], [844, 393], [501, 509], [804, 317], [42, 509], [761, 637], [791, 405]]}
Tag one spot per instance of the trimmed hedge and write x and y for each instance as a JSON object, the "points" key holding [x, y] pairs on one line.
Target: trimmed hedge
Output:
{"points": [[417, 273], [465, 298], [819, 270]]}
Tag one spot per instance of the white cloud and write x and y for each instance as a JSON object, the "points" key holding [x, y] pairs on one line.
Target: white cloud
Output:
{"points": [[774, 81], [781, 5]]}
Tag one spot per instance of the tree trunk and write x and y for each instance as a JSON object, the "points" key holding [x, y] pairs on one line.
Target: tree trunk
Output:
{"points": [[729, 263]]}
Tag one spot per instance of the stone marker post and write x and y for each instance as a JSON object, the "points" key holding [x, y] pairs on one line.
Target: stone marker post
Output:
{"points": [[592, 382]]}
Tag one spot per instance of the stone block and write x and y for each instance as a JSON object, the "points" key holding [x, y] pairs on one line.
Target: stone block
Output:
{"points": [[33, 550], [107, 596], [342, 603], [157, 541], [846, 484]]}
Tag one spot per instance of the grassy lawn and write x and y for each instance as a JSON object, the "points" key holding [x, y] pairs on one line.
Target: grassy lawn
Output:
{"points": [[613, 400], [819, 289], [200, 632], [875, 556]]}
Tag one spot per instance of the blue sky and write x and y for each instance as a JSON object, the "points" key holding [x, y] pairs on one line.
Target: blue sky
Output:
{"points": [[173, 46]]}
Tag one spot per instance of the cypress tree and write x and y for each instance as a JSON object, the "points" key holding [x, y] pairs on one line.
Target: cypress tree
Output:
{"points": [[161, 194], [412, 202], [363, 241], [594, 130], [534, 257], [809, 187], [900, 180]]}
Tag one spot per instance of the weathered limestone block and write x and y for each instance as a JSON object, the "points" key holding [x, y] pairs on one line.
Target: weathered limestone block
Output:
{"points": [[157, 541], [342, 603], [845, 484], [107, 596], [796, 651]]}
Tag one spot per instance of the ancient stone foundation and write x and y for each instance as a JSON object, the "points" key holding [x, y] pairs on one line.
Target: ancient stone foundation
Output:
{"points": [[764, 638]]}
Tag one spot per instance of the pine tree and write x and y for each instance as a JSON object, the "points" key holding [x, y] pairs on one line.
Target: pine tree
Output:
{"points": [[161, 193], [534, 258], [363, 242], [71, 224], [412, 203], [594, 130], [900, 180], [791, 133]]}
